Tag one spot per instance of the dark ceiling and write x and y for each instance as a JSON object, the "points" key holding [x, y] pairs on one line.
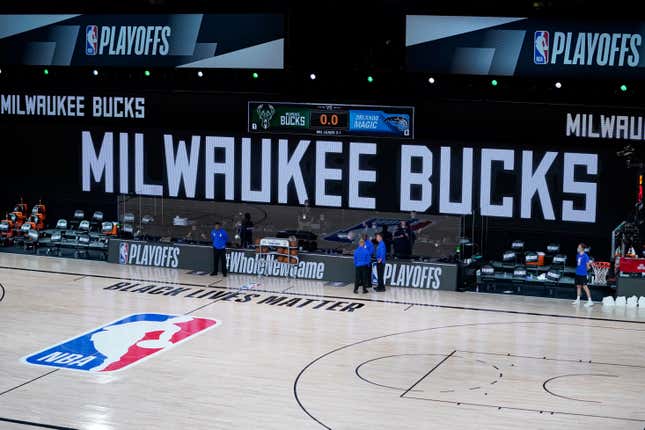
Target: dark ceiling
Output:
{"points": [[344, 40]]}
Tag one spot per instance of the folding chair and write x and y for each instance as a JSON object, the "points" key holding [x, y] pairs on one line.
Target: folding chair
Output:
{"points": [[84, 226], [31, 240], [82, 245], [79, 215], [487, 276], [97, 219], [55, 242], [61, 225], [519, 278]]}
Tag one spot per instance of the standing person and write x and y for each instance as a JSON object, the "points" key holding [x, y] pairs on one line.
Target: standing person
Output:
{"points": [[380, 262], [219, 239], [246, 231], [401, 241], [582, 266], [387, 238], [412, 236], [368, 244], [362, 262], [305, 217]]}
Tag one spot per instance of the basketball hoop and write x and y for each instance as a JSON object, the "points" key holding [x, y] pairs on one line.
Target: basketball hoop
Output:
{"points": [[600, 269]]}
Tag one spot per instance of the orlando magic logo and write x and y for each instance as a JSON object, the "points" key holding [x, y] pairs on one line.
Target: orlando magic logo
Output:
{"points": [[265, 114], [399, 123], [541, 47], [91, 39]]}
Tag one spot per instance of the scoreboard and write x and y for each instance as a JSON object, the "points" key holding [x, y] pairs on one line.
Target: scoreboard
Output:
{"points": [[331, 119]]}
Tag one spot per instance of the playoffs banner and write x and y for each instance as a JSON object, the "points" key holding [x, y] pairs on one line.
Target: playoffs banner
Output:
{"points": [[505, 46], [160, 40], [318, 267]]}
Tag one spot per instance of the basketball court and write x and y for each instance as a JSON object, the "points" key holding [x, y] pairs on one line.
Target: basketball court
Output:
{"points": [[193, 190], [300, 354]]}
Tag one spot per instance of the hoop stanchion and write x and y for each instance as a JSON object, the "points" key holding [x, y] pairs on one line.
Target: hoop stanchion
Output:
{"points": [[600, 269]]}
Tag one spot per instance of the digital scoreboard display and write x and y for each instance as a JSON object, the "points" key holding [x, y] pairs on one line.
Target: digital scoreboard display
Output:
{"points": [[331, 119]]}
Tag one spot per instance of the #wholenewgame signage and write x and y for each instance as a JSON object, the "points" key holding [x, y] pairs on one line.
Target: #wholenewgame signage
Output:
{"points": [[160, 40], [506, 46]]}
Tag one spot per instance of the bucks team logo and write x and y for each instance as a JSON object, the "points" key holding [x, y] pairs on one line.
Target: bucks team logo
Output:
{"points": [[265, 114], [91, 39], [122, 343], [541, 47]]}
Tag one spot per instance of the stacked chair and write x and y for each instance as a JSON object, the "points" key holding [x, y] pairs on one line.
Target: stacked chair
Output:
{"points": [[80, 235]]}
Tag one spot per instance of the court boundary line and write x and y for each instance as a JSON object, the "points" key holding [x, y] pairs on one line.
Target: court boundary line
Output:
{"points": [[544, 385], [569, 375], [553, 359], [429, 372], [34, 424], [357, 369], [358, 373], [358, 298], [429, 329], [602, 363], [202, 306], [28, 382], [544, 411]]}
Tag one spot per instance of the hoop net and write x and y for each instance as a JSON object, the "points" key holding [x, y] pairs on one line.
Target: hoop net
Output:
{"points": [[600, 269]]}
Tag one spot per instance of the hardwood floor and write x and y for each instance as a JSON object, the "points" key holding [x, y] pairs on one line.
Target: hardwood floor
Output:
{"points": [[287, 354]]}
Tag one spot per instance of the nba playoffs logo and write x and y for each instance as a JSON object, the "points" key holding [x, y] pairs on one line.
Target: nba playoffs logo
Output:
{"points": [[541, 47], [124, 249], [121, 344], [91, 39], [374, 275]]}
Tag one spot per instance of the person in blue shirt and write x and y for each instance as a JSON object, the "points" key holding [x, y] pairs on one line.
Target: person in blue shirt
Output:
{"points": [[368, 244], [387, 238], [219, 239], [381, 251], [370, 247], [583, 263], [363, 263]]}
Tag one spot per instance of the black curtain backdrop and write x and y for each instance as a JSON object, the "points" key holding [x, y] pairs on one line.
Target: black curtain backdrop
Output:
{"points": [[42, 158]]}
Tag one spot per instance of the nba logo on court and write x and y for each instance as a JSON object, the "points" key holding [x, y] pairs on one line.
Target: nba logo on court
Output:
{"points": [[124, 249], [91, 39], [541, 47], [122, 343]]}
